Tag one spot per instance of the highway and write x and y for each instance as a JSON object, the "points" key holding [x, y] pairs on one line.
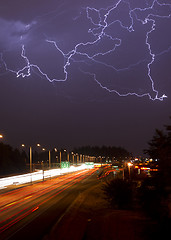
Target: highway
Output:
{"points": [[30, 212]]}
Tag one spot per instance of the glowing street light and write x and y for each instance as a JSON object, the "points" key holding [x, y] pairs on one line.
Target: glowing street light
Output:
{"points": [[129, 166], [23, 145], [73, 157], [44, 149], [66, 153], [1, 136]]}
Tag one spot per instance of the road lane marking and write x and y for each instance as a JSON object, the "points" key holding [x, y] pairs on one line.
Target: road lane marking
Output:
{"points": [[10, 204], [28, 197]]}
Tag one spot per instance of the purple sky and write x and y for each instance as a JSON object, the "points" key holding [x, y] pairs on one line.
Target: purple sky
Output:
{"points": [[76, 73]]}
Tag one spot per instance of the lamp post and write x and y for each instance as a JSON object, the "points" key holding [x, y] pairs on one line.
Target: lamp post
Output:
{"points": [[60, 157], [30, 155], [73, 157], [43, 149], [49, 159], [30, 159], [66, 153], [77, 157], [49, 152], [129, 166], [31, 163], [56, 150]]}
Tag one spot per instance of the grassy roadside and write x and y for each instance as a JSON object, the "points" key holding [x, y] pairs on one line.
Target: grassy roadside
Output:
{"points": [[90, 217]]}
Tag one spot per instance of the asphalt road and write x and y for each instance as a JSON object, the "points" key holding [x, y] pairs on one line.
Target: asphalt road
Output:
{"points": [[31, 211]]}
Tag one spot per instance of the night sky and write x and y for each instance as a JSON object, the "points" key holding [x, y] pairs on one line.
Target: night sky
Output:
{"points": [[84, 72]]}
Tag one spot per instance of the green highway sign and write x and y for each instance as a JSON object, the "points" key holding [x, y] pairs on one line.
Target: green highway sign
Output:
{"points": [[65, 164]]}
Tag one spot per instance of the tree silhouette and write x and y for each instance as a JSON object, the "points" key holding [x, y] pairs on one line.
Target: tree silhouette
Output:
{"points": [[160, 148], [117, 152], [11, 160]]}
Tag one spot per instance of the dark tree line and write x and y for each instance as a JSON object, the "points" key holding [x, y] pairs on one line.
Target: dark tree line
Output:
{"points": [[150, 195], [11, 160], [160, 148], [117, 152]]}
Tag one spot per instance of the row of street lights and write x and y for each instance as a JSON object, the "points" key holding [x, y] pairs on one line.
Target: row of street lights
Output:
{"points": [[79, 157], [30, 155]]}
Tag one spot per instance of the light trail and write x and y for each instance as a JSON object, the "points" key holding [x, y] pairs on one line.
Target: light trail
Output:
{"points": [[21, 194], [37, 176], [32, 203], [27, 213]]}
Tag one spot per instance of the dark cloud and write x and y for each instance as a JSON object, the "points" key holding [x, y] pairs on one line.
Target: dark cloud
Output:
{"points": [[26, 11]]}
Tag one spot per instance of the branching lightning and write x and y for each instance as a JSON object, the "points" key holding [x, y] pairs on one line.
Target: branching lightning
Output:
{"points": [[100, 32]]}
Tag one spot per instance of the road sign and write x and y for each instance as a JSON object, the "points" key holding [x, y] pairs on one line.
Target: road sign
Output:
{"points": [[65, 164]]}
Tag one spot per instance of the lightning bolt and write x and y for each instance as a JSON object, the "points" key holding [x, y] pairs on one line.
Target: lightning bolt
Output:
{"points": [[101, 22]]}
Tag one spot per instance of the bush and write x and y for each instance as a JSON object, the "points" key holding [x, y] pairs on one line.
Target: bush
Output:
{"points": [[152, 198], [120, 193]]}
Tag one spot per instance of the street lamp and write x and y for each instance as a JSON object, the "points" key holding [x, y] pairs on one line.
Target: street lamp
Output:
{"points": [[1, 136], [66, 153], [56, 150], [60, 157], [44, 149], [30, 150], [129, 166], [68, 157], [49, 160], [73, 157], [77, 157], [31, 160]]}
